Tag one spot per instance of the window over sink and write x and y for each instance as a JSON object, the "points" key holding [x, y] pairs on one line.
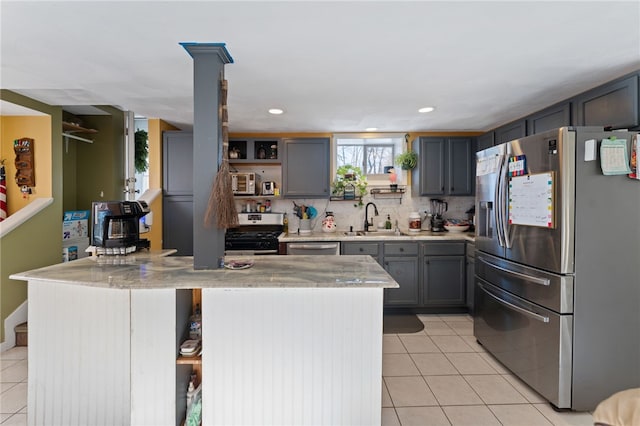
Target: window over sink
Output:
{"points": [[373, 153]]}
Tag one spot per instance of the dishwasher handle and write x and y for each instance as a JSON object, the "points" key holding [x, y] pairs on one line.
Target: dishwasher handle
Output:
{"points": [[332, 246]]}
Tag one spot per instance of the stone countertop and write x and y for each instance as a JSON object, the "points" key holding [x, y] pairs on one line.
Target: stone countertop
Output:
{"points": [[378, 236], [155, 272]]}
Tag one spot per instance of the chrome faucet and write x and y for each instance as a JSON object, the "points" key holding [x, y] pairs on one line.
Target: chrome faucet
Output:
{"points": [[367, 224]]}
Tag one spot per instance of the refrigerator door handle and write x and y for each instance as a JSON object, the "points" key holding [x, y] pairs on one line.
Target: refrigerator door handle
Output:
{"points": [[523, 311], [503, 197], [498, 208], [535, 280]]}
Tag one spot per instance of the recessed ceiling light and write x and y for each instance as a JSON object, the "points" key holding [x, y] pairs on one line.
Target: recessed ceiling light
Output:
{"points": [[371, 129], [276, 111], [426, 109]]}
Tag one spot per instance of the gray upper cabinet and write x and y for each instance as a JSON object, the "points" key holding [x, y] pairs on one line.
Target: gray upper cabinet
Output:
{"points": [[555, 116], [485, 141], [511, 131], [177, 163], [614, 105], [305, 168], [446, 166]]}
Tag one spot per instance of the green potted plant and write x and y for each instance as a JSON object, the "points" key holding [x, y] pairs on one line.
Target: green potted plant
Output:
{"points": [[350, 179], [408, 160]]}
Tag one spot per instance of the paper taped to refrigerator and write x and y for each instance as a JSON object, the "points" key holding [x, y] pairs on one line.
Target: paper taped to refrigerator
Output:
{"points": [[614, 158], [488, 165], [531, 200]]}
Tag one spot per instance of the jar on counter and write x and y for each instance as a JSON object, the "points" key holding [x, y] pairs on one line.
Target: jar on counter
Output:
{"points": [[415, 222]]}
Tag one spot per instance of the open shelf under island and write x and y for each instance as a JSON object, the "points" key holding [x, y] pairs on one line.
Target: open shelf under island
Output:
{"points": [[293, 339]]}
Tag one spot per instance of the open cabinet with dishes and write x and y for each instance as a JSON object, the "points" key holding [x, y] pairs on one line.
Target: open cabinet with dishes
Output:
{"points": [[252, 150], [189, 359]]}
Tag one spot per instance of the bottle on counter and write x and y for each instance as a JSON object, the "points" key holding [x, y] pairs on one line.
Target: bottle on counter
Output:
{"points": [[285, 223], [415, 222], [387, 224]]}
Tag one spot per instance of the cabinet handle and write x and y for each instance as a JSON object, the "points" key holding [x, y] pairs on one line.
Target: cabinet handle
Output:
{"points": [[451, 189], [401, 248], [361, 249], [442, 189]]}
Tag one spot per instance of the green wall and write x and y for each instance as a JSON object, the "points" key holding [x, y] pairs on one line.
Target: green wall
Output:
{"points": [[38, 242]]}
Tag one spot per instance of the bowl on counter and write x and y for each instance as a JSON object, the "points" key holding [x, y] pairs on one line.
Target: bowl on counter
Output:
{"points": [[456, 225]]}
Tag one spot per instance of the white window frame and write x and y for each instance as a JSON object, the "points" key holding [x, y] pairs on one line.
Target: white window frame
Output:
{"points": [[373, 179]]}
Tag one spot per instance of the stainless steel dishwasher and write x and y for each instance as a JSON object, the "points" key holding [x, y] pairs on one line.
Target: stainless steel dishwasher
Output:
{"points": [[314, 248]]}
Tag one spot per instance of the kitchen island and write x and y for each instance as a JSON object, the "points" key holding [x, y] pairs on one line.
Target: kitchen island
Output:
{"points": [[290, 340]]}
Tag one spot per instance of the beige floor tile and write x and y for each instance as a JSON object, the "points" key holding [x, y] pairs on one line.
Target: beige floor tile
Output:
{"points": [[6, 363], [410, 392], [497, 365], [451, 344], [572, 418], [391, 344], [470, 415], [386, 399], [398, 365], [389, 417], [519, 415], [430, 318], [452, 390], [530, 394], [14, 399], [438, 329], [434, 364], [473, 343], [16, 420], [470, 363], [16, 372], [494, 389], [419, 344], [462, 328], [456, 317], [422, 416], [5, 386], [17, 352]]}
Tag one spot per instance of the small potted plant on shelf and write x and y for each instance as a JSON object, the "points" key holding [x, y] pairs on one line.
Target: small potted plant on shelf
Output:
{"points": [[349, 183], [408, 160]]}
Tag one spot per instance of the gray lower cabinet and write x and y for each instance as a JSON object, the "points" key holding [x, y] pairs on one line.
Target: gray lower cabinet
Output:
{"points": [[443, 274], [369, 248], [305, 168], [401, 262], [471, 271]]}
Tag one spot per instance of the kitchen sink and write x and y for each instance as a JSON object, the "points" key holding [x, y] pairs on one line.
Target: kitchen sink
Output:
{"points": [[374, 233]]}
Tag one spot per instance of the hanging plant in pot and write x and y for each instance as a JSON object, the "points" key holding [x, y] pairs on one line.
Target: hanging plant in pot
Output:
{"points": [[408, 160], [350, 183]]}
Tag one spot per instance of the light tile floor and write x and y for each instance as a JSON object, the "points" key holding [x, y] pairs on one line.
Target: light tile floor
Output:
{"points": [[439, 376], [442, 376]]}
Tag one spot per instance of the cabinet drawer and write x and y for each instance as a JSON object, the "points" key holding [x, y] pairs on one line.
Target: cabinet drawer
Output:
{"points": [[442, 249], [360, 248], [400, 249]]}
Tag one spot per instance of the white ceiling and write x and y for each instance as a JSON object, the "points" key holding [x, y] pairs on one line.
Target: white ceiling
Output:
{"points": [[332, 66]]}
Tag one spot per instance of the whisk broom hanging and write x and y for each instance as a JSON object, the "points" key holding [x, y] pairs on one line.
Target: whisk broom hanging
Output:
{"points": [[221, 205]]}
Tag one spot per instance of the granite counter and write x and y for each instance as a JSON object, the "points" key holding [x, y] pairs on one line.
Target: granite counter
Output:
{"points": [[377, 236]]}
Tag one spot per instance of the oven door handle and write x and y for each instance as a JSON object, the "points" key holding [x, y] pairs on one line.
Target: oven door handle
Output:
{"points": [[517, 308], [535, 280]]}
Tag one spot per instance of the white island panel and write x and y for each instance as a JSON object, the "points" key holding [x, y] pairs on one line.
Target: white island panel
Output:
{"points": [[292, 356]]}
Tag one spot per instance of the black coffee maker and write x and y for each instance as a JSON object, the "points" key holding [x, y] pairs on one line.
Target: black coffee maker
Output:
{"points": [[116, 226]]}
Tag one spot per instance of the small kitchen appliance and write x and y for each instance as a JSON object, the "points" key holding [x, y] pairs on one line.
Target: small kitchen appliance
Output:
{"points": [[438, 208], [244, 183], [116, 226], [268, 188]]}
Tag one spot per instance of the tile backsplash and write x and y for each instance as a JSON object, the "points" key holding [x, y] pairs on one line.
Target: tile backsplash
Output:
{"points": [[346, 215]]}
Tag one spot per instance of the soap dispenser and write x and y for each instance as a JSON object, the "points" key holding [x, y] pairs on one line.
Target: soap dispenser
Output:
{"points": [[387, 224]]}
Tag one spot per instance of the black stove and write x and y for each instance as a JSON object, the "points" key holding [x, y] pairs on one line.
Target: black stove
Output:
{"points": [[257, 234]]}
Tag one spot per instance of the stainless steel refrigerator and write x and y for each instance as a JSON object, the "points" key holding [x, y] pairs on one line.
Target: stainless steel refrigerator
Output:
{"points": [[557, 278]]}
